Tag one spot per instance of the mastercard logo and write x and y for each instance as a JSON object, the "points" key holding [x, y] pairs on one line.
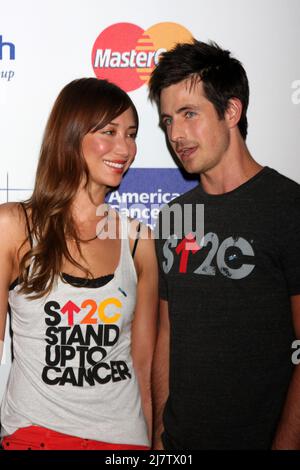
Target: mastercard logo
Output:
{"points": [[126, 54]]}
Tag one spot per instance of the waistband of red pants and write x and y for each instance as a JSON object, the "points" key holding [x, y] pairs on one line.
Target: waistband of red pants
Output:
{"points": [[39, 438]]}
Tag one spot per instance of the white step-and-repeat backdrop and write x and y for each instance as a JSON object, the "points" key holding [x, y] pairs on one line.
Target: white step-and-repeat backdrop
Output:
{"points": [[45, 44]]}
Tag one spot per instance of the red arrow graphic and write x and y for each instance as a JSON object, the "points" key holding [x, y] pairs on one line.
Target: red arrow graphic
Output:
{"points": [[187, 245], [70, 308]]}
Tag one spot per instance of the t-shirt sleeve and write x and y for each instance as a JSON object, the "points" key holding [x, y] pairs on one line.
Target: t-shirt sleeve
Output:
{"points": [[289, 243], [163, 287], [162, 281]]}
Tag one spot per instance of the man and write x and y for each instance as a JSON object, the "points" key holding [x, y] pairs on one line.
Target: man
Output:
{"points": [[230, 302]]}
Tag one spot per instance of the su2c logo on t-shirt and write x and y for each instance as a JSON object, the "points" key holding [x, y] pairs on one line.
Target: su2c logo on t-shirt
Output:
{"points": [[228, 257]]}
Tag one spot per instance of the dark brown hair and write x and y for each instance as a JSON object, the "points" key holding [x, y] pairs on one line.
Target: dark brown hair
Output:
{"points": [[84, 105], [223, 76]]}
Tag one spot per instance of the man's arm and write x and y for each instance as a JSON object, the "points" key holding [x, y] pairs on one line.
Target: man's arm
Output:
{"points": [[288, 432], [160, 377]]}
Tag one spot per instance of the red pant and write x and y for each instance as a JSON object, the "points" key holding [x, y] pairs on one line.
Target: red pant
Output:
{"points": [[38, 438]]}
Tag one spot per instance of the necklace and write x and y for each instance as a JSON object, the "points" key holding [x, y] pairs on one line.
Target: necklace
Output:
{"points": [[97, 234]]}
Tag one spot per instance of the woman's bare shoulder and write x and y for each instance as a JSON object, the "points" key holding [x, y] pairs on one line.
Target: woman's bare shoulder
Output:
{"points": [[10, 212], [11, 221]]}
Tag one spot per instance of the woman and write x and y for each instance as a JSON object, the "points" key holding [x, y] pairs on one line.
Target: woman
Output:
{"points": [[83, 305]]}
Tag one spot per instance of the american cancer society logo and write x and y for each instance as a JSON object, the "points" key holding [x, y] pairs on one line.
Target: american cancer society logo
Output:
{"points": [[144, 191]]}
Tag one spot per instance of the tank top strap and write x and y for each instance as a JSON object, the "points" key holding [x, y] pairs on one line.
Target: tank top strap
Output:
{"points": [[126, 259], [124, 233], [30, 238]]}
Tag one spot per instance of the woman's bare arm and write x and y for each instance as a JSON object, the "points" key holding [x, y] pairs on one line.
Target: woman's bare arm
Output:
{"points": [[144, 327]]}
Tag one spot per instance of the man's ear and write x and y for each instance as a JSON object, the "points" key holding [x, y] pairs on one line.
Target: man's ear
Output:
{"points": [[233, 112]]}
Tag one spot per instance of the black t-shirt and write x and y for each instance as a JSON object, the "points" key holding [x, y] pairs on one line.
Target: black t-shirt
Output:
{"points": [[230, 315]]}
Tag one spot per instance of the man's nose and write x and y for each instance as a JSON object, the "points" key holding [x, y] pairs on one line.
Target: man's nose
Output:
{"points": [[176, 132]]}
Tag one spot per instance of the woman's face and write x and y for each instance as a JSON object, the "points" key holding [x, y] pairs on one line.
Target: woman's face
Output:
{"points": [[109, 151]]}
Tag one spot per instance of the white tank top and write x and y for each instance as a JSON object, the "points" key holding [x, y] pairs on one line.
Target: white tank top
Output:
{"points": [[72, 370]]}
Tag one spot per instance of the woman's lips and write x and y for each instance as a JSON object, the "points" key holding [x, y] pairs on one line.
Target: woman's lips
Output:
{"points": [[116, 165]]}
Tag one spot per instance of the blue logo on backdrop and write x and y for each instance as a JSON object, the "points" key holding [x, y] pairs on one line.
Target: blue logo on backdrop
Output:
{"points": [[7, 52], [10, 49], [144, 191]]}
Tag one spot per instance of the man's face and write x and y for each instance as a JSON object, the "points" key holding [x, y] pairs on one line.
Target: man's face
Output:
{"points": [[195, 131]]}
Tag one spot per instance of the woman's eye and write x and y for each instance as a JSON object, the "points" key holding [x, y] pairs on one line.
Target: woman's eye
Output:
{"points": [[133, 135], [108, 132]]}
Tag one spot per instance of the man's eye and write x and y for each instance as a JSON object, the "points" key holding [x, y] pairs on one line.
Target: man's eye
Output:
{"points": [[190, 114], [167, 122]]}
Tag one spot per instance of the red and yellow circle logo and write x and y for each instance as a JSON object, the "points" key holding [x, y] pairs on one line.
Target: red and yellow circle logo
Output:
{"points": [[126, 54]]}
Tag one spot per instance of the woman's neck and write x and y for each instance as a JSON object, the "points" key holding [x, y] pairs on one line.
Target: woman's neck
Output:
{"points": [[89, 204]]}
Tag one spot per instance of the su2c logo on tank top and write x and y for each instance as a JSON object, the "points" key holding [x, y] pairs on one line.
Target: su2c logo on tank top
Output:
{"points": [[76, 353], [232, 257]]}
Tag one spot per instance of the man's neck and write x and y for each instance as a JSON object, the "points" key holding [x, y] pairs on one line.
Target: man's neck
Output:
{"points": [[237, 167]]}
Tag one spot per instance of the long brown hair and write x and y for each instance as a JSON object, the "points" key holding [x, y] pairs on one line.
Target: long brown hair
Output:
{"points": [[84, 105]]}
